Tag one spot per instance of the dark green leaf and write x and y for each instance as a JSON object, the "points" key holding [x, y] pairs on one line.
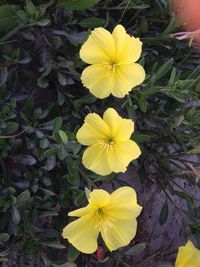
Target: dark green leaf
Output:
{"points": [[135, 250], [73, 254], [164, 214], [15, 215], [77, 4], [8, 17], [4, 237]]}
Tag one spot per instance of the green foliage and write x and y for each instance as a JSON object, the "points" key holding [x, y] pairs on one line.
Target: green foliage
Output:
{"points": [[43, 103], [77, 4]]}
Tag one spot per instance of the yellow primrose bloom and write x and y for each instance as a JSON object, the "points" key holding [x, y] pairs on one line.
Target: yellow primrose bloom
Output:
{"points": [[110, 148], [188, 256], [112, 57], [113, 215]]}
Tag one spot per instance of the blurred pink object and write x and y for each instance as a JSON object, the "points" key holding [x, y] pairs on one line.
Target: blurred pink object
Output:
{"points": [[188, 12]]}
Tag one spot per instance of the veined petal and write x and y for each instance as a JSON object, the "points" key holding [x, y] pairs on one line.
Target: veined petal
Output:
{"points": [[121, 154], [99, 198], [118, 234], [121, 129], [125, 130], [113, 120], [95, 159], [126, 77], [83, 233], [128, 49], [93, 129], [99, 47], [188, 256], [123, 204], [97, 79], [121, 39]]}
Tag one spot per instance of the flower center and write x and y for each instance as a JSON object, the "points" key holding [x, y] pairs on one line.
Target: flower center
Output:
{"points": [[110, 140], [107, 143], [112, 66], [101, 212]]}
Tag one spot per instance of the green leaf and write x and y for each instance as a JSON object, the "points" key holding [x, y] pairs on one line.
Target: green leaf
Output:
{"points": [[143, 103], [4, 237], [23, 197], [43, 22], [4, 253], [62, 152], [172, 77], [53, 245], [3, 75], [63, 136], [48, 213], [164, 214], [77, 4], [8, 17], [135, 250], [31, 8], [73, 254], [92, 22], [140, 138], [15, 215], [73, 178], [57, 123], [164, 69], [195, 150], [87, 192], [50, 163]]}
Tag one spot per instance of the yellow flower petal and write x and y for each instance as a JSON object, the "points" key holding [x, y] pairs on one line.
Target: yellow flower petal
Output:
{"points": [[99, 48], [99, 198], [123, 204], [92, 130], [121, 129], [127, 76], [97, 79], [128, 49], [79, 212], [188, 256], [95, 159], [121, 154], [83, 233], [119, 234]]}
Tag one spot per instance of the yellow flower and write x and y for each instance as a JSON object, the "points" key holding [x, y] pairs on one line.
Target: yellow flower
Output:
{"points": [[110, 148], [112, 215], [112, 57], [188, 256]]}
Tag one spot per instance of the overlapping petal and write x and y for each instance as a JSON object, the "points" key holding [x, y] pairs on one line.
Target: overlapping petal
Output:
{"points": [[127, 76], [119, 234], [99, 198], [82, 233], [120, 128], [121, 154], [188, 256], [97, 78], [93, 129], [79, 212], [128, 49], [95, 159], [126, 209], [99, 47]]}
